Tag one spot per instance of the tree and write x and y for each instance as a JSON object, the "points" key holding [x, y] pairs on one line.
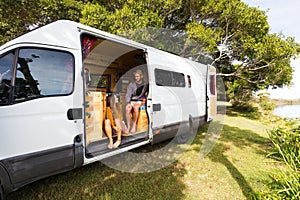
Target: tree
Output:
{"points": [[18, 17], [15, 18], [247, 56]]}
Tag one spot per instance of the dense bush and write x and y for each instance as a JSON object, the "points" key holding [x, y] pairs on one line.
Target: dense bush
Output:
{"points": [[286, 140], [265, 103]]}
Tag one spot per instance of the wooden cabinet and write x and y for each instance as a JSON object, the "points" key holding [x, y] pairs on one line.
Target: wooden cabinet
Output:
{"points": [[95, 113]]}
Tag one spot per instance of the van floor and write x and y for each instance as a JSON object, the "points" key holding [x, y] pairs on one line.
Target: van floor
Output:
{"points": [[100, 147]]}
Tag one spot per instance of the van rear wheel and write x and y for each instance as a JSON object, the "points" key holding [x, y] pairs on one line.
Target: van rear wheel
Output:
{"points": [[1, 193], [184, 137]]}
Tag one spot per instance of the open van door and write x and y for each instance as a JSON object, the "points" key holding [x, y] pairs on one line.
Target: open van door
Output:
{"points": [[211, 93]]}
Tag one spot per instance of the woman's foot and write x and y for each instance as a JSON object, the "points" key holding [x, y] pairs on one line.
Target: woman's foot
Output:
{"points": [[133, 129], [126, 130], [110, 145], [117, 143]]}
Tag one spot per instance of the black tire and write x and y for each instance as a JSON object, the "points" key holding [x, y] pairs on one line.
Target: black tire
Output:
{"points": [[1, 193], [184, 137]]}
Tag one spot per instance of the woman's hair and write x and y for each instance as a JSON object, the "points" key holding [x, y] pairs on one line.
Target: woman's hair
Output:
{"points": [[110, 100]]}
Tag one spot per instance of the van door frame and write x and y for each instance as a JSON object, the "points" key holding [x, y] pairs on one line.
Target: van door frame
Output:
{"points": [[98, 156]]}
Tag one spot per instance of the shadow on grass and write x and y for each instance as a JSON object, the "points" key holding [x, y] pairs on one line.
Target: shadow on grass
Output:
{"points": [[219, 157], [250, 113], [97, 181], [241, 138]]}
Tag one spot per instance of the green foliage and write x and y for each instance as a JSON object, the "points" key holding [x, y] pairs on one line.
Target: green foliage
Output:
{"points": [[18, 17], [129, 16], [286, 184], [248, 111], [286, 140], [53, 10], [95, 15], [265, 103], [15, 18]]}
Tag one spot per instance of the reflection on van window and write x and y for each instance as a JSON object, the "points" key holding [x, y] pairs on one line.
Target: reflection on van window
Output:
{"points": [[6, 69], [42, 72], [169, 78]]}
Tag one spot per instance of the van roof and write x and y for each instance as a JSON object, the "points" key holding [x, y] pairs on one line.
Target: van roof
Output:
{"points": [[64, 33]]}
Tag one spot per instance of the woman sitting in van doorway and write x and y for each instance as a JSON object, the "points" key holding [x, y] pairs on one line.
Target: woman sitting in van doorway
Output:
{"points": [[113, 123], [135, 95]]}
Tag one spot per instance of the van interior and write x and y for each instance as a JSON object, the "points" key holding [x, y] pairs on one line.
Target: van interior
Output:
{"points": [[109, 67]]}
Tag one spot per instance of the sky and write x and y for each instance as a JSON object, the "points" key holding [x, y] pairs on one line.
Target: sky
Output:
{"points": [[283, 17]]}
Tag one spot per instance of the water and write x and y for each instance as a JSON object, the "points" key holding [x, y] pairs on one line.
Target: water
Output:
{"points": [[288, 111]]}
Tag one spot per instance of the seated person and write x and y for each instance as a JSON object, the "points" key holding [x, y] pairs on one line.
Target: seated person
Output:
{"points": [[112, 124], [135, 95]]}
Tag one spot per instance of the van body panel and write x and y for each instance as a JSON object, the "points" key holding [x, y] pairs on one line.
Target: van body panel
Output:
{"points": [[27, 168], [39, 125], [177, 104]]}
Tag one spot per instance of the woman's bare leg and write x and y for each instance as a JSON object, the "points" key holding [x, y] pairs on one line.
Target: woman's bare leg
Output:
{"points": [[119, 132], [108, 131]]}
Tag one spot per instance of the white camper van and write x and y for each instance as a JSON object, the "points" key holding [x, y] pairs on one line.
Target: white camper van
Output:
{"points": [[54, 82]]}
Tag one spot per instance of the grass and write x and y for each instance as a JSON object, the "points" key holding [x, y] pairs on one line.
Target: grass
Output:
{"points": [[236, 168]]}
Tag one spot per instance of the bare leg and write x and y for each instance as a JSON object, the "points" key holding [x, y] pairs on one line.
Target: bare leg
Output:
{"points": [[128, 118], [119, 132], [108, 131], [136, 112]]}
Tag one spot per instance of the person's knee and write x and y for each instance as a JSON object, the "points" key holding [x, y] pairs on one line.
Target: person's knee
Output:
{"points": [[136, 108], [107, 122], [118, 121], [128, 108]]}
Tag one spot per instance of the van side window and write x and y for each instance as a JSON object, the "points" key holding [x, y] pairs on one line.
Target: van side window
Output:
{"points": [[42, 72], [163, 77], [178, 79], [6, 70], [169, 78]]}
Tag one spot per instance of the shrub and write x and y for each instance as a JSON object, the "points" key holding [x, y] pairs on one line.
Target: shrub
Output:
{"points": [[287, 141], [265, 103], [286, 184]]}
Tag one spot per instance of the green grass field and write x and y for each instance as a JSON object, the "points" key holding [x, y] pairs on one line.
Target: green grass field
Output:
{"points": [[236, 168]]}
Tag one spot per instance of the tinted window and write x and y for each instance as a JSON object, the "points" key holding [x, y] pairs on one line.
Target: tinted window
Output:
{"points": [[169, 78], [6, 70], [178, 79], [163, 77], [42, 72]]}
